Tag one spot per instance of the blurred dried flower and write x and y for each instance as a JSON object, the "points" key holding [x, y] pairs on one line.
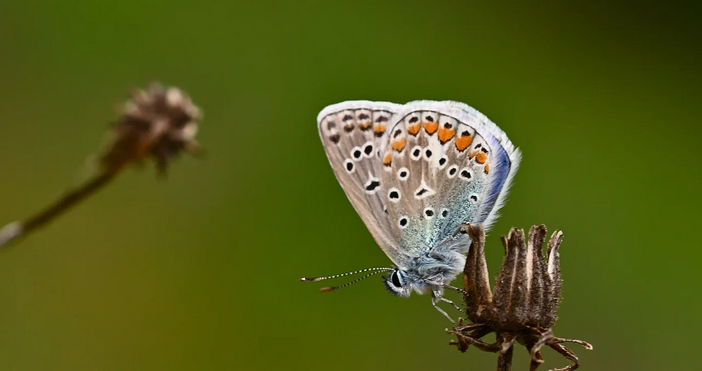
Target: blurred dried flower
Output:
{"points": [[159, 122], [523, 307]]}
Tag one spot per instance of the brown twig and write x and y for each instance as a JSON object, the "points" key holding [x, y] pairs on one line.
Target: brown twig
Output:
{"points": [[159, 123]]}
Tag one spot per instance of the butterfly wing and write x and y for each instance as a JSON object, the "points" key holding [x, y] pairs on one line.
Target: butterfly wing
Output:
{"points": [[352, 133], [444, 164]]}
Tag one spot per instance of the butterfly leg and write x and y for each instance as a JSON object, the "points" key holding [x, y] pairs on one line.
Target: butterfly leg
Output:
{"points": [[434, 301], [452, 303], [464, 292]]}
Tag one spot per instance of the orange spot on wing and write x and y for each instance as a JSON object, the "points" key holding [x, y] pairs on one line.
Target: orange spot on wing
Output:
{"points": [[464, 142], [481, 158], [348, 128], [365, 126], [446, 134], [472, 154], [387, 160], [431, 127], [379, 129], [399, 145], [487, 168], [413, 129]]}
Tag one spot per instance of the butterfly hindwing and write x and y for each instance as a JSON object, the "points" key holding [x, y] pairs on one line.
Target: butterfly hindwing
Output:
{"points": [[446, 164]]}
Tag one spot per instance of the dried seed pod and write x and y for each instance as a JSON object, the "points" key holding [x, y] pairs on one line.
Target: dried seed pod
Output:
{"points": [[159, 122], [524, 304]]}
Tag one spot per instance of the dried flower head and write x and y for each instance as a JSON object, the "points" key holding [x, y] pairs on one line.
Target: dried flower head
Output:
{"points": [[524, 304], [159, 122]]}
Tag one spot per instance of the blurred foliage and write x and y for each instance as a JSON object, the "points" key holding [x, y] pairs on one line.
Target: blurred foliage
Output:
{"points": [[200, 271]]}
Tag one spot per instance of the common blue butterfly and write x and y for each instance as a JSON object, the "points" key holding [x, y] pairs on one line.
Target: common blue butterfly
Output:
{"points": [[415, 173]]}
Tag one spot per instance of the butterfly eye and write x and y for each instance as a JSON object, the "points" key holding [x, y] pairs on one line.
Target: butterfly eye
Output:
{"points": [[395, 278]]}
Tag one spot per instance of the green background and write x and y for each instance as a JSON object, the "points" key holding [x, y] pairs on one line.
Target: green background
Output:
{"points": [[199, 272]]}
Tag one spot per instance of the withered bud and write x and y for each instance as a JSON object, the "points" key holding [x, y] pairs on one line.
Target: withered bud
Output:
{"points": [[523, 306], [159, 122]]}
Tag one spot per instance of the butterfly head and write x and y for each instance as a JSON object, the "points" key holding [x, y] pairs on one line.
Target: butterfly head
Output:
{"points": [[397, 283], [429, 272], [402, 283]]}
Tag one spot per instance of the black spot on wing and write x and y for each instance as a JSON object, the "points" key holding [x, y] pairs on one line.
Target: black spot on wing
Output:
{"points": [[372, 185]]}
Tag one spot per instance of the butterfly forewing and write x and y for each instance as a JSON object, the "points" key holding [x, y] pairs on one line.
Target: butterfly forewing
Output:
{"points": [[352, 134]]}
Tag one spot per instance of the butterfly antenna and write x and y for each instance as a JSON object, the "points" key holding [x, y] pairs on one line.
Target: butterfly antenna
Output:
{"points": [[373, 271], [332, 288]]}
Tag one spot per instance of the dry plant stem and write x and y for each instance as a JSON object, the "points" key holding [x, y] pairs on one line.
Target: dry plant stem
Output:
{"points": [[16, 230], [67, 201], [504, 360], [159, 122]]}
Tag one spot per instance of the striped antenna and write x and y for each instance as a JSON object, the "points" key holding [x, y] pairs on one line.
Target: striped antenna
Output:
{"points": [[373, 271]]}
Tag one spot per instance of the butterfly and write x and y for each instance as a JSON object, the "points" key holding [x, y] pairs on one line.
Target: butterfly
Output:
{"points": [[416, 174]]}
